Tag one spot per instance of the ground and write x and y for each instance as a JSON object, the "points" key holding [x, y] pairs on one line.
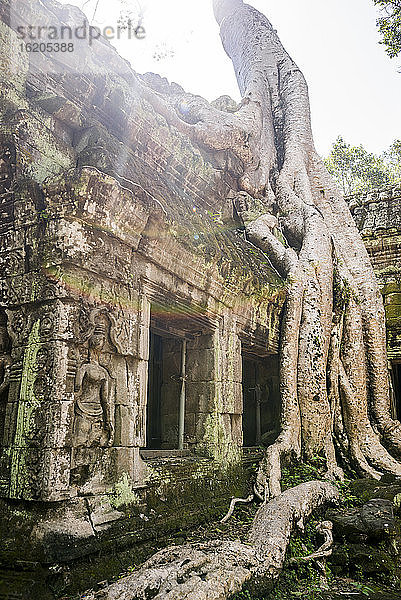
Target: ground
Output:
{"points": [[362, 567]]}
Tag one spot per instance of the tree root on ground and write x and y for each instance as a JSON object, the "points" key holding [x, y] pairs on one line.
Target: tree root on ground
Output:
{"points": [[325, 528], [217, 569], [233, 503]]}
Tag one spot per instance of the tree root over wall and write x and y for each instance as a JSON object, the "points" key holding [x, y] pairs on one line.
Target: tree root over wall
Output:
{"points": [[334, 381], [218, 569]]}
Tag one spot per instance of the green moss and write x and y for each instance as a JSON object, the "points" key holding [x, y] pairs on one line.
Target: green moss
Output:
{"points": [[392, 287], [217, 444], [393, 313], [26, 406], [123, 495]]}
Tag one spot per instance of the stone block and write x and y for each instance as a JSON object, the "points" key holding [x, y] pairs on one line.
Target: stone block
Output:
{"points": [[34, 287], [101, 202], [393, 314], [14, 62], [122, 463], [138, 382], [201, 396], [374, 519], [143, 330], [126, 433], [39, 474], [202, 342], [96, 470], [171, 367], [119, 369], [48, 157], [231, 397], [236, 429], [56, 475], [190, 426], [201, 365], [393, 299]]}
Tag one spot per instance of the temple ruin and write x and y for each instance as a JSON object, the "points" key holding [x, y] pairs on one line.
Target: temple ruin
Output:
{"points": [[138, 328]]}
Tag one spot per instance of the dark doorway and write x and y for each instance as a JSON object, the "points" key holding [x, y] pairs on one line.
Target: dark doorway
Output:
{"points": [[154, 426], [396, 371], [164, 387], [249, 378], [261, 400]]}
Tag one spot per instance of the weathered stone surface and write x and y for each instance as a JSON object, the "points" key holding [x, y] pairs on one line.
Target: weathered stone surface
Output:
{"points": [[368, 489], [111, 225], [375, 519], [377, 215]]}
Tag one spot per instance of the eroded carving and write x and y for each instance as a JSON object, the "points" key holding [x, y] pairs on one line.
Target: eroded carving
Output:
{"points": [[17, 326], [94, 408], [118, 328]]}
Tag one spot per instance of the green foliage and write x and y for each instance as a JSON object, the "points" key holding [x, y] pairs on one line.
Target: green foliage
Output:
{"points": [[392, 157], [389, 25], [364, 589], [303, 580], [347, 498], [357, 170], [300, 472]]}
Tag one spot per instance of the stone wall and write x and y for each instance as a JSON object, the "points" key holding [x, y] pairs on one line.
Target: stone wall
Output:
{"points": [[50, 550], [111, 228], [378, 217]]}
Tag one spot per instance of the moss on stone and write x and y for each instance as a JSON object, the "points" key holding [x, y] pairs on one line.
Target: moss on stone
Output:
{"points": [[123, 494], [26, 406]]}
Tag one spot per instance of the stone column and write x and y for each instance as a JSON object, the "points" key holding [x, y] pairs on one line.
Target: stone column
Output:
{"points": [[35, 463], [214, 393]]}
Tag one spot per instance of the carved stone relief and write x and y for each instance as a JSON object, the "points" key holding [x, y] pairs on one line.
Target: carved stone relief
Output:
{"points": [[117, 327], [94, 403], [101, 425], [5, 369], [94, 408]]}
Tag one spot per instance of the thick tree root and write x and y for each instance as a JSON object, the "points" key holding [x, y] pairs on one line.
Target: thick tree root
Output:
{"points": [[334, 378], [215, 570], [292, 211]]}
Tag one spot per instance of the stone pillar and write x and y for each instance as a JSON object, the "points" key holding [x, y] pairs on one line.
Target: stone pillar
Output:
{"points": [[35, 463], [75, 401], [112, 362], [214, 392]]}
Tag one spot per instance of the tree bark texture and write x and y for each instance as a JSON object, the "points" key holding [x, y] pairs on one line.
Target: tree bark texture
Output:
{"points": [[333, 366], [334, 373]]}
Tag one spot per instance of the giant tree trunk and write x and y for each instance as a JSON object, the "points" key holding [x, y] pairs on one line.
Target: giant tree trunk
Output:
{"points": [[333, 368], [334, 375], [333, 364]]}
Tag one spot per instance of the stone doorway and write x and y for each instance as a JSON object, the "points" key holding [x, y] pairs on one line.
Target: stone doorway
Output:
{"points": [[261, 400], [164, 392], [154, 433]]}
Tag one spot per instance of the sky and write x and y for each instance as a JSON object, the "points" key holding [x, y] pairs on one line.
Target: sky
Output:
{"points": [[355, 89]]}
